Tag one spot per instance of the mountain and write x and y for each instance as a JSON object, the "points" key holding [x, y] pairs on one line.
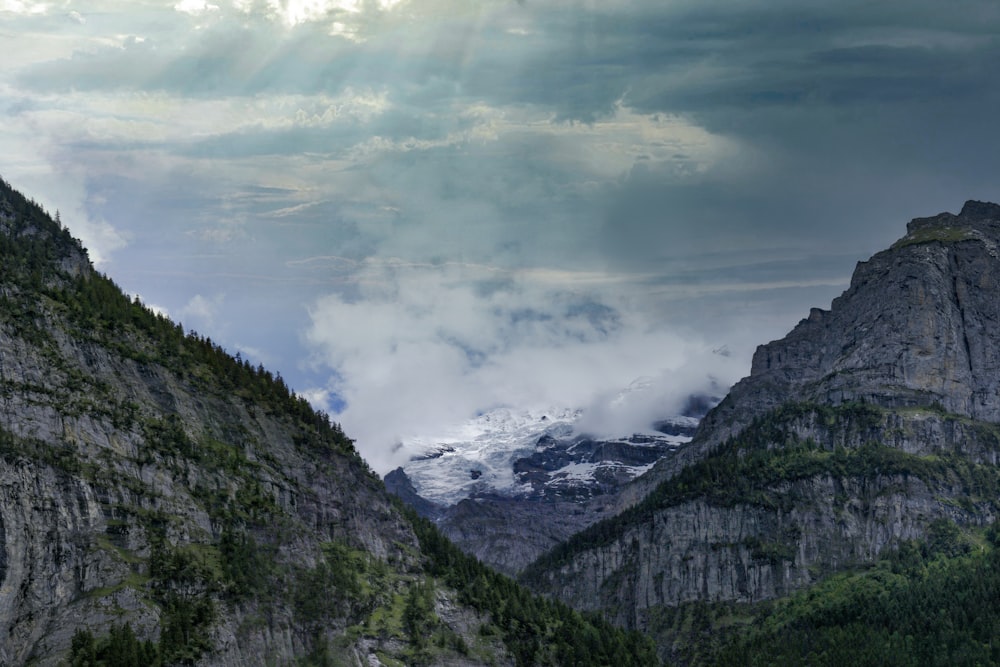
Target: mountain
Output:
{"points": [[509, 484], [162, 502], [857, 434]]}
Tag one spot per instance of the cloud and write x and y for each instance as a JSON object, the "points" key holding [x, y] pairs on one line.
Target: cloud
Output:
{"points": [[24, 7], [420, 347], [200, 312], [195, 7]]}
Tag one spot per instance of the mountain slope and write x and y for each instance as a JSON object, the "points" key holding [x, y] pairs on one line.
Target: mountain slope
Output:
{"points": [[158, 496], [853, 434]]}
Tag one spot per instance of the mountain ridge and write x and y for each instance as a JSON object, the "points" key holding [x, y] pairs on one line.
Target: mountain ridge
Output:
{"points": [[851, 435]]}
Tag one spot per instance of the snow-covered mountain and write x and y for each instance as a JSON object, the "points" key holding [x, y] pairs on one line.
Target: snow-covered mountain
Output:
{"points": [[510, 483], [533, 453]]}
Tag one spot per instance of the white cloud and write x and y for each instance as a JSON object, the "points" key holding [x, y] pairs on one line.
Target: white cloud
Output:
{"points": [[195, 7], [317, 397], [425, 347], [98, 236], [294, 12], [24, 6], [152, 117], [598, 152], [253, 354], [199, 312]]}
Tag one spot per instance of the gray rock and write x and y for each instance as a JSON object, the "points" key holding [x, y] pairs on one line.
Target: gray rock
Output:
{"points": [[917, 327]]}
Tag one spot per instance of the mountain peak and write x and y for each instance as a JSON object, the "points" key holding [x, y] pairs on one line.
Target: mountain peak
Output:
{"points": [[973, 215], [980, 211], [915, 328], [151, 484], [33, 243]]}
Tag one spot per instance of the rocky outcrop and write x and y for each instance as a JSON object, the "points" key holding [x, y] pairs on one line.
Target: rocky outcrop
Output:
{"points": [[83, 486], [400, 485], [857, 430], [798, 494], [509, 533], [747, 553], [916, 327]]}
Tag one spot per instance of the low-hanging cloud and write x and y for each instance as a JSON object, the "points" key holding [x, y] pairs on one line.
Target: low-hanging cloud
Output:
{"points": [[420, 348]]}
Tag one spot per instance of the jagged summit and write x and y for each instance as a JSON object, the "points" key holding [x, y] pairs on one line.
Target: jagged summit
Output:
{"points": [[981, 215], [980, 210], [916, 328], [31, 242]]}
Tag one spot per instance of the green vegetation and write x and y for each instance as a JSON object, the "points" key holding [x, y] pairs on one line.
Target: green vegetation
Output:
{"points": [[183, 581], [39, 289], [930, 602], [345, 583], [935, 602], [930, 234], [120, 648], [535, 630], [247, 566], [31, 241]]}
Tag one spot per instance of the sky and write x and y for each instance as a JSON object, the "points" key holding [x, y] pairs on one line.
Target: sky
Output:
{"points": [[419, 210]]}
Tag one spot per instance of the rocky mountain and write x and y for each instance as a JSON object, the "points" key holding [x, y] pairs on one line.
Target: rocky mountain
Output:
{"points": [[162, 502], [863, 427], [916, 328], [511, 484]]}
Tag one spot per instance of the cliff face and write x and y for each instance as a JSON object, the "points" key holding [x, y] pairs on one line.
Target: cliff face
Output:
{"points": [[857, 430], [917, 327], [83, 499]]}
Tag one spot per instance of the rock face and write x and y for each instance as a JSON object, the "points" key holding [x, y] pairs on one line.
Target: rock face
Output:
{"points": [[509, 533], [855, 431], [398, 484], [917, 327], [566, 484]]}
